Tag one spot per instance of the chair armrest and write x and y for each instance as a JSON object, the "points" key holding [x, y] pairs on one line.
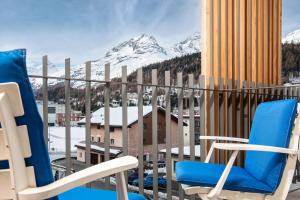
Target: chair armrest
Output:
{"points": [[82, 177], [230, 139], [251, 147]]}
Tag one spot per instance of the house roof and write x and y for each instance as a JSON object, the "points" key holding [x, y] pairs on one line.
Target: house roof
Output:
{"points": [[99, 148], [115, 119], [186, 151]]}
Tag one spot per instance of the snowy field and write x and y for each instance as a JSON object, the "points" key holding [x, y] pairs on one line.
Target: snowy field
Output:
{"points": [[57, 139]]}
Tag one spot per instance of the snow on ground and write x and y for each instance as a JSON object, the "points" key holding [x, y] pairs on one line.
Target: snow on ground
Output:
{"points": [[58, 138]]}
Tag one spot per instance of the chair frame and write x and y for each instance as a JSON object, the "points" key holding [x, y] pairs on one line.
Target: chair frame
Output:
{"points": [[18, 182], [209, 193]]}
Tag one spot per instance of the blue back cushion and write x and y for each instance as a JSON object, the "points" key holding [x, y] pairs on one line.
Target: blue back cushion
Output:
{"points": [[13, 69], [272, 126]]}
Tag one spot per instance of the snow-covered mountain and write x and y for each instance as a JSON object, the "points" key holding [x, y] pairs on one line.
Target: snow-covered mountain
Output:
{"points": [[292, 37], [136, 52], [188, 46]]}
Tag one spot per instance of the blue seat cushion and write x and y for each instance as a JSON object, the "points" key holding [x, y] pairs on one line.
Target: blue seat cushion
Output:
{"points": [[207, 175], [13, 69], [272, 126], [81, 193]]}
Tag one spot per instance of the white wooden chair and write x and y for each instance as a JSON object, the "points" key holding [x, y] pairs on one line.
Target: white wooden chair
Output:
{"points": [[271, 156], [18, 181]]}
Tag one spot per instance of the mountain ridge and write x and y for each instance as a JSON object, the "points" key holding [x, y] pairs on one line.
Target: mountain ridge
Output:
{"points": [[135, 52]]}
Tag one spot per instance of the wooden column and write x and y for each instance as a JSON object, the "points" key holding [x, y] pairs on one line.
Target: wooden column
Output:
{"points": [[242, 47], [242, 40]]}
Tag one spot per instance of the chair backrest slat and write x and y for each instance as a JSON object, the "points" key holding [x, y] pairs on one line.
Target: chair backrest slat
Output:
{"points": [[12, 90], [23, 134], [6, 191]]}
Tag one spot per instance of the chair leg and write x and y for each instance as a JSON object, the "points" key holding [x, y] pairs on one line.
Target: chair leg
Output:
{"points": [[121, 186]]}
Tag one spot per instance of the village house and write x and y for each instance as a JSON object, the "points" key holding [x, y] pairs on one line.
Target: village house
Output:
{"points": [[97, 132]]}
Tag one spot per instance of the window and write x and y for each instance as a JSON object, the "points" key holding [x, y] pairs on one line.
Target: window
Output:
{"points": [[111, 129], [51, 110], [98, 139], [197, 123], [80, 154], [112, 141], [98, 126], [159, 126], [92, 139], [145, 126]]}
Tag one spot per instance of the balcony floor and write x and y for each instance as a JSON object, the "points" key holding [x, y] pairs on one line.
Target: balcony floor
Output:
{"points": [[294, 195]]}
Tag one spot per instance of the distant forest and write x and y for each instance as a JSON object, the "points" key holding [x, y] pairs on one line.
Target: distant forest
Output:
{"points": [[189, 64], [290, 59]]}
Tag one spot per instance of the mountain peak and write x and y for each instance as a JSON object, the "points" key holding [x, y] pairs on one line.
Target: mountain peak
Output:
{"points": [[190, 45], [292, 37]]}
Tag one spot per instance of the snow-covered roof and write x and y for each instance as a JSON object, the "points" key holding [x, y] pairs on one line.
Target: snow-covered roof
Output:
{"points": [[115, 115], [99, 148], [186, 150]]}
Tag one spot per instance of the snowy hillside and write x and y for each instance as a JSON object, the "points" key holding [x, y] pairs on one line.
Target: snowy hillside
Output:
{"points": [[292, 37], [134, 53]]}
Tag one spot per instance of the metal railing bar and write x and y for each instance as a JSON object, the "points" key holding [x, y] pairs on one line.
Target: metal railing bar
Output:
{"points": [[124, 116], [107, 119], [168, 135], [68, 116], [192, 118], [154, 135], [160, 86], [140, 130], [45, 100], [88, 116]]}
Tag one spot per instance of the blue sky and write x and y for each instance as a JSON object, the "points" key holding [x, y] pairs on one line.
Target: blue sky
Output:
{"points": [[86, 29]]}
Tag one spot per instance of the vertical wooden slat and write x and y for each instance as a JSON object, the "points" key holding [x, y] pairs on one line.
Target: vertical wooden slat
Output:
{"points": [[207, 37], [275, 41], [230, 50], [202, 118], [107, 117], [254, 40], [224, 38], [154, 133], [88, 114], [279, 42], [192, 117], [45, 100], [140, 130], [168, 134], [266, 40], [271, 44], [217, 37], [260, 42], [237, 41], [249, 40], [68, 116], [242, 48]]}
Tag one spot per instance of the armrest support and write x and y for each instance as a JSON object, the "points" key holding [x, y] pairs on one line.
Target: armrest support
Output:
{"points": [[230, 139], [214, 139], [101, 170], [251, 147]]}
